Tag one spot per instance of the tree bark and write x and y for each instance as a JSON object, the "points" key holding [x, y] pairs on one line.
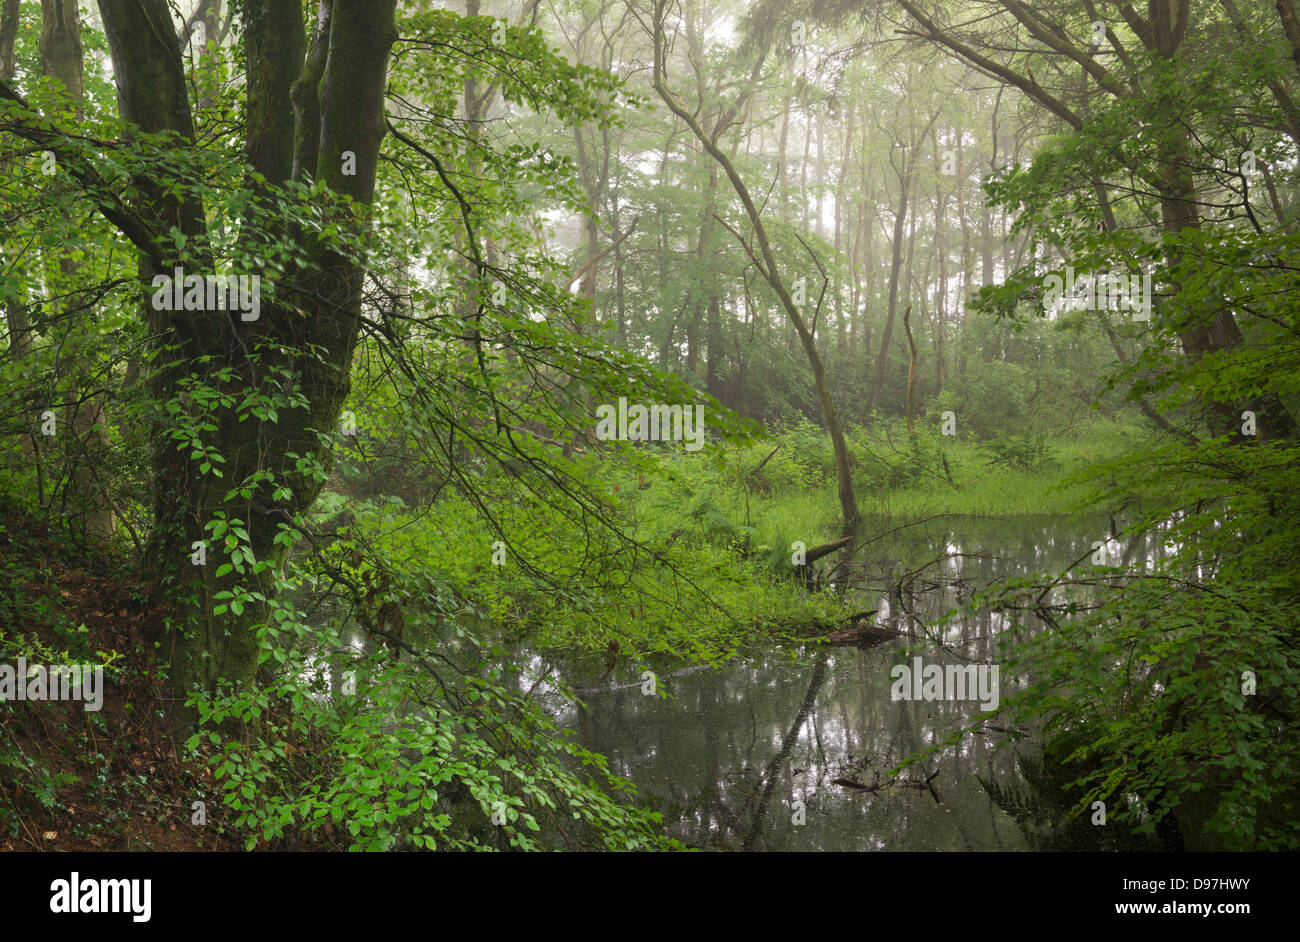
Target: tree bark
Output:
{"points": [[336, 91]]}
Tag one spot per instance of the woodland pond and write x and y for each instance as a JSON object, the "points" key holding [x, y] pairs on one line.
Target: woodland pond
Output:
{"points": [[727, 754]]}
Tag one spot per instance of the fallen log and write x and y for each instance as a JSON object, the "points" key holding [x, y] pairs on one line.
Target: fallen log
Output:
{"points": [[803, 571], [861, 633]]}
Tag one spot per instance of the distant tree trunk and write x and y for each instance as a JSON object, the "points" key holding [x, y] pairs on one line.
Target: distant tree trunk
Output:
{"points": [[911, 363], [967, 259], [819, 201], [941, 301], [895, 268], [855, 279], [986, 212], [782, 163], [667, 315], [91, 513], [620, 314], [842, 317], [703, 289], [712, 374], [803, 170], [869, 219]]}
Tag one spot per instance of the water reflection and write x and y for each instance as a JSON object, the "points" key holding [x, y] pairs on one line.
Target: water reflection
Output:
{"points": [[793, 750]]}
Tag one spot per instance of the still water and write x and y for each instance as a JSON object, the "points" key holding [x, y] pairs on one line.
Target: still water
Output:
{"points": [[792, 749]]}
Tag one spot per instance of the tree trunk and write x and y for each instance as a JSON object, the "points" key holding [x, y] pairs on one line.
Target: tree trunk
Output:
{"points": [[90, 513], [337, 96], [895, 267]]}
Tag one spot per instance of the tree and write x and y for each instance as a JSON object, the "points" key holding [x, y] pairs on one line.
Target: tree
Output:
{"points": [[765, 261], [243, 471]]}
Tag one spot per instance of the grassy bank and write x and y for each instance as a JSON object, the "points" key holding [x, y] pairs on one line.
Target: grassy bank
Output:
{"points": [[713, 534]]}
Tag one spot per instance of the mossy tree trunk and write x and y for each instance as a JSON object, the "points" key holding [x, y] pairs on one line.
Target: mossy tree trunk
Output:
{"points": [[334, 90]]}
